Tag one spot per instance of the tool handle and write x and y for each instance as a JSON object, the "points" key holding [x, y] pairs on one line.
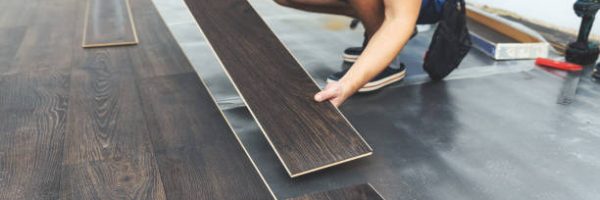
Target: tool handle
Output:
{"points": [[545, 62]]}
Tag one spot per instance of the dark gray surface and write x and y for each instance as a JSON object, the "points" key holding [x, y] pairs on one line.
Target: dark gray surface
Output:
{"points": [[492, 130], [500, 137]]}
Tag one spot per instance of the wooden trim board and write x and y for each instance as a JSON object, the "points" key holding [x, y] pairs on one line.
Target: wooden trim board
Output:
{"points": [[357, 192], [502, 28], [108, 23], [305, 135], [503, 40]]}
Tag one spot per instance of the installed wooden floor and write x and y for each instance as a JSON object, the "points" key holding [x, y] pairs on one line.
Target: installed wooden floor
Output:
{"points": [[109, 23], [307, 136], [129, 122], [357, 192]]}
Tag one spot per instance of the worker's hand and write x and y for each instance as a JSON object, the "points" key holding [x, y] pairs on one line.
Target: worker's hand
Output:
{"points": [[334, 92]]}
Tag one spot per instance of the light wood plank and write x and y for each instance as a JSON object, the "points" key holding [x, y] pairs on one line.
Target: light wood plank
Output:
{"points": [[108, 23]]}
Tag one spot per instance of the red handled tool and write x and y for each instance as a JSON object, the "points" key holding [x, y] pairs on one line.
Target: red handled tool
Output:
{"points": [[558, 64]]}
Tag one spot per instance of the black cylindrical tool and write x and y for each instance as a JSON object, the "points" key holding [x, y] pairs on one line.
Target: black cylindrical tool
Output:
{"points": [[582, 51]]}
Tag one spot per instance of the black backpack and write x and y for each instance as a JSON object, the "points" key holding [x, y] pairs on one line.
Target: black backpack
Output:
{"points": [[450, 43]]}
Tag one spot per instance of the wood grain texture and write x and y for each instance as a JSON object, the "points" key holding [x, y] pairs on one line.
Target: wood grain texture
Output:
{"points": [[307, 136], [107, 151], [198, 154], [100, 147], [10, 41], [109, 23], [161, 55], [52, 40], [501, 28], [357, 192], [33, 109]]}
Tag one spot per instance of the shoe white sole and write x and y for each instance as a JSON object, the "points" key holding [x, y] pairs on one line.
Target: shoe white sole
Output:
{"points": [[372, 86], [350, 58]]}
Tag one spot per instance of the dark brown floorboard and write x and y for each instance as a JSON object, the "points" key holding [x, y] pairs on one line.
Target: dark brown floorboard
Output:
{"points": [[33, 112], [358, 192], [10, 40], [198, 154], [131, 179], [108, 23], [158, 54], [52, 40], [107, 152], [306, 135], [99, 147]]}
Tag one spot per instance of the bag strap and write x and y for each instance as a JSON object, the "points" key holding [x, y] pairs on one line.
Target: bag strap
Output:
{"points": [[463, 6]]}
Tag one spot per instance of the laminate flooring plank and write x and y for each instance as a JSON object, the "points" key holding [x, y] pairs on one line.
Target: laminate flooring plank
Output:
{"points": [[10, 41], [357, 192], [307, 136], [198, 154], [52, 40], [33, 112], [107, 151], [131, 179], [161, 55], [109, 23]]}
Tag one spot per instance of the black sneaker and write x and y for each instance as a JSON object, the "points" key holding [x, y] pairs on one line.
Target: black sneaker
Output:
{"points": [[351, 54], [385, 78]]}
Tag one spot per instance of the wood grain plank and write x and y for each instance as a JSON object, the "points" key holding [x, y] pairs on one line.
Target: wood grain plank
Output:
{"points": [[107, 151], [33, 112], [108, 23], [10, 41], [51, 42], [161, 55], [198, 154], [306, 136], [357, 192], [123, 179]]}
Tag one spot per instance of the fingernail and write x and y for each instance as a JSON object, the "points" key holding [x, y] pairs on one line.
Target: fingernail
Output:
{"points": [[318, 97]]}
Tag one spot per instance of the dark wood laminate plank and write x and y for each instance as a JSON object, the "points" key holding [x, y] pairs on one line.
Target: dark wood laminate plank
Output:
{"points": [[161, 55], [107, 151], [33, 112], [10, 41], [109, 23], [198, 154], [131, 179], [52, 40], [357, 192], [307, 136]]}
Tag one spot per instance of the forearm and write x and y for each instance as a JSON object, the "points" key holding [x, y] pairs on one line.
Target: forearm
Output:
{"points": [[384, 46]]}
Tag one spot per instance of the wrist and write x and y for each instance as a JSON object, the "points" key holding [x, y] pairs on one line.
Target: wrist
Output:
{"points": [[347, 87]]}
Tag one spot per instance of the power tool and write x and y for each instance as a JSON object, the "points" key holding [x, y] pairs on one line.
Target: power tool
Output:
{"points": [[582, 51]]}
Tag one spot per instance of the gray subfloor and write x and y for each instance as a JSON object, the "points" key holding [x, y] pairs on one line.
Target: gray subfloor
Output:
{"points": [[492, 130]]}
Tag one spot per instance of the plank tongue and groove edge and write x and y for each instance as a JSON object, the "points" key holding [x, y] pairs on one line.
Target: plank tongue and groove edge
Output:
{"points": [[108, 23], [306, 136], [357, 192]]}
